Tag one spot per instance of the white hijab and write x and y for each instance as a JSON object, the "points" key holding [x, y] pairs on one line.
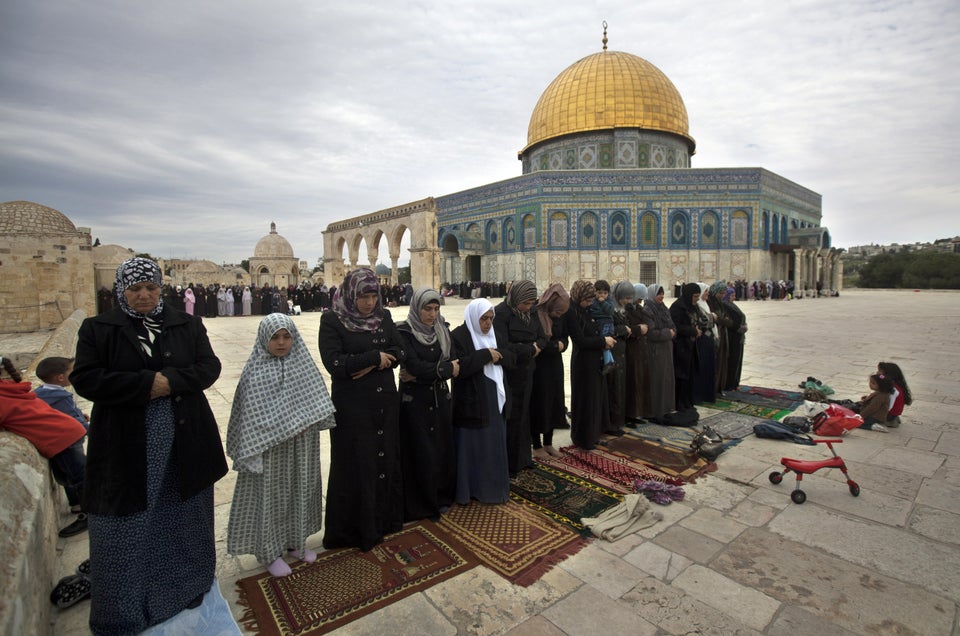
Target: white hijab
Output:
{"points": [[471, 315]]}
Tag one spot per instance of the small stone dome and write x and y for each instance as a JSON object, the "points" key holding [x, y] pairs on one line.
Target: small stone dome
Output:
{"points": [[26, 217], [273, 245]]}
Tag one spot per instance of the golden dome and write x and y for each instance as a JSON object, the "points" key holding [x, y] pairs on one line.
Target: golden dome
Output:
{"points": [[608, 90]]}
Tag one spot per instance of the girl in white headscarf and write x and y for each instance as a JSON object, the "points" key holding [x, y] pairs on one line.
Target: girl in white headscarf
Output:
{"points": [[480, 396], [280, 407]]}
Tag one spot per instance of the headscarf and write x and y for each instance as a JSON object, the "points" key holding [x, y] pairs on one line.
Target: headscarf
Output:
{"points": [[276, 398], [658, 312], [555, 298], [133, 271], [471, 316], [704, 307], [424, 333], [687, 292], [639, 292], [622, 291], [356, 283], [718, 288], [582, 290], [521, 291]]}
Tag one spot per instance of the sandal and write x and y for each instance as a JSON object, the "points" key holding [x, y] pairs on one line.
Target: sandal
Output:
{"points": [[84, 567], [70, 590]]}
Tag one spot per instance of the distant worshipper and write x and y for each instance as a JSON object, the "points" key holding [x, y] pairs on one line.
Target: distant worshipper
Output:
{"points": [[280, 406], [153, 456]]}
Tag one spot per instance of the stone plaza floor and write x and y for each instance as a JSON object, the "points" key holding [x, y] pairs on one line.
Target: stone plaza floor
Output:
{"points": [[736, 556]]}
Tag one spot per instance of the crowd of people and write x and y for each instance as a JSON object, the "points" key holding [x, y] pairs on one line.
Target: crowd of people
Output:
{"points": [[421, 416]]}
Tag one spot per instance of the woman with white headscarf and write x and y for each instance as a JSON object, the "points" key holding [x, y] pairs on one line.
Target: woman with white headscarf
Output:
{"points": [[480, 400], [659, 354], [705, 373], [426, 410]]}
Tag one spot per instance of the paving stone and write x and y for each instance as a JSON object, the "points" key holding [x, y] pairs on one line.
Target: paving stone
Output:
{"points": [[587, 611], [657, 561], [936, 524], [603, 571], [793, 621], [712, 523], [690, 544], [849, 595], [716, 493], [672, 513], [917, 443], [739, 467], [412, 610], [675, 612], [913, 461], [940, 494], [622, 545], [536, 626], [751, 513], [888, 551], [949, 444], [754, 608], [883, 479]]}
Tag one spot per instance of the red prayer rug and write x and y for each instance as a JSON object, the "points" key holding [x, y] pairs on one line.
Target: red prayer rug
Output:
{"points": [[515, 542], [615, 472], [343, 585]]}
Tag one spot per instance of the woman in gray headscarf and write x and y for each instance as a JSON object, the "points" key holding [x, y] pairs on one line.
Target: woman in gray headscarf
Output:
{"points": [[637, 382], [659, 354], [623, 295], [427, 453]]}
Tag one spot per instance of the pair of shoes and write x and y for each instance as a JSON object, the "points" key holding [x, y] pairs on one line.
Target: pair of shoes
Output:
{"points": [[84, 567], [79, 525], [70, 590], [880, 428]]}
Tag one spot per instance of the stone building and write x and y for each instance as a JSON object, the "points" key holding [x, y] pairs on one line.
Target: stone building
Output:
{"points": [[607, 191], [106, 260], [46, 268], [273, 262]]}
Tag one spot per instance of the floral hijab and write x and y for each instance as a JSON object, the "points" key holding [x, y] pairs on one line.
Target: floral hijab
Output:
{"points": [[356, 283], [424, 333], [133, 271], [582, 290], [276, 398]]}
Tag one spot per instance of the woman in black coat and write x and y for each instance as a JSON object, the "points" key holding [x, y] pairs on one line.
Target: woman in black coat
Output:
{"points": [[359, 347], [153, 455], [684, 313], [637, 381], [481, 396], [512, 320], [427, 453], [589, 412], [548, 409]]}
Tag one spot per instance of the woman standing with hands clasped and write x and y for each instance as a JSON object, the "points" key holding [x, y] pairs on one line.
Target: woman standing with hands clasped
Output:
{"points": [[359, 347], [426, 410], [480, 399], [549, 409], [280, 407]]}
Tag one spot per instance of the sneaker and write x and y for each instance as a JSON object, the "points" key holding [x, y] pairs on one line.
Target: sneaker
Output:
{"points": [[79, 525], [880, 428]]}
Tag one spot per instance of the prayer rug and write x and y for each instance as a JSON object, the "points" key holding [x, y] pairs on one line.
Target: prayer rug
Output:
{"points": [[615, 472], [343, 585], [679, 436], [762, 396], [755, 410], [563, 497], [683, 464], [732, 425], [515, 542]]}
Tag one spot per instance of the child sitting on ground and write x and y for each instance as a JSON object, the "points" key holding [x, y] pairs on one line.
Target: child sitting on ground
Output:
{"points": [[901, 392], [601, 309], [874, 407], [55, 374]]}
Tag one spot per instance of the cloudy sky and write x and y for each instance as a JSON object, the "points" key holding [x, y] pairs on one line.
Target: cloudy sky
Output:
{"points": [[183, 128]]}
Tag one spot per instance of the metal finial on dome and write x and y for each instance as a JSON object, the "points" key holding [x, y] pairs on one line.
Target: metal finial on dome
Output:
{"points": [[604, 35], [273, 227]]}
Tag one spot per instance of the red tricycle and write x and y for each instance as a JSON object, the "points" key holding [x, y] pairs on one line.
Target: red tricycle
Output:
{"points": [[805, 467]]}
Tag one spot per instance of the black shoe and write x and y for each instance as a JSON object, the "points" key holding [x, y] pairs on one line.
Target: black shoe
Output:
{"points": [[79, 525], [84, 568], [617, 433], [70, 590]]}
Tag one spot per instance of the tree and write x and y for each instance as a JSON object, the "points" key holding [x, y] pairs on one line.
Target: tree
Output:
{"points": [[403, 275], [245, 264]]}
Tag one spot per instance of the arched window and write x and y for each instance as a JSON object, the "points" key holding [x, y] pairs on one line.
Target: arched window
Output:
{"points": [[529, 232], [783, 229], [559, 230], [618, 229], [679, 228], [493, 237], [649, 230], [766, 229], [739, 229], [709, 229], [589, 228], [509, 235], [776, 229]]}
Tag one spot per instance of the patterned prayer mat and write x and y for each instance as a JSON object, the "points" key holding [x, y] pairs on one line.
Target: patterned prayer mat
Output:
{"points": [[763, 396], [676, 462], [343, 585], [563, 497], [512, 540], [679, 436], [615, 472], [755, 410], [732, 425]]}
